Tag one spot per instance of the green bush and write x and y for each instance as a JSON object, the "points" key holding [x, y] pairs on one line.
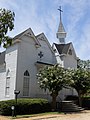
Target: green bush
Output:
{"points": [[25, 106], [86, 102], [86, 97]]}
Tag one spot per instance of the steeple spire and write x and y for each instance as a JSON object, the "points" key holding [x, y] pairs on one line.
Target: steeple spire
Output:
{"points": [[60, 12], [61, 34]]}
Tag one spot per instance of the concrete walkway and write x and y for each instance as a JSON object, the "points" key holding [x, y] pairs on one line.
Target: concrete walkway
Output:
{"points": [[85, 115]]}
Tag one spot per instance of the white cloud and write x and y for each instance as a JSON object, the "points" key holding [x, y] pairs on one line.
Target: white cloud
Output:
{"points": [[78, 32], [9, 4], [84, 46], [42, 16]]}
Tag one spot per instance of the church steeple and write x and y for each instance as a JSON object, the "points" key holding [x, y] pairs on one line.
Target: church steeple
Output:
{"points": [[61, 34]]}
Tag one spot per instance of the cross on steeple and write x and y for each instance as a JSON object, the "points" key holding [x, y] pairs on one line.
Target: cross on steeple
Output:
{"points": [[60, 11]]}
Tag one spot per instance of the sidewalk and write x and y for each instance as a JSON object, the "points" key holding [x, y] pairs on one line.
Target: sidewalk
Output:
{"points": [[85, 115]]}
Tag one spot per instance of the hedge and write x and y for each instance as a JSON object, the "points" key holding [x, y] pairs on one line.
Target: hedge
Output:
{"points": [[86, 102], [25, 106]]}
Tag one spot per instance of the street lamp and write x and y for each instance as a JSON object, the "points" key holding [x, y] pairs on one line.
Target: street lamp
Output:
{"points": [[16, 92]]}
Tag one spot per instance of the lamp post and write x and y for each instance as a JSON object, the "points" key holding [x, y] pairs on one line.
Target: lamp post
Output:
{"points": [[16, 92]]}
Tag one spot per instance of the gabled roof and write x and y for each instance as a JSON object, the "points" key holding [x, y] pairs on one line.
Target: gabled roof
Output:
{"points": [[19, 35], [62, 48], [39, 35], [28, 32], [2, 57], [42, 36]]}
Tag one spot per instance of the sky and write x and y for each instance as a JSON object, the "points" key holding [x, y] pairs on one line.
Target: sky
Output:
{"points": [[43, 16]]}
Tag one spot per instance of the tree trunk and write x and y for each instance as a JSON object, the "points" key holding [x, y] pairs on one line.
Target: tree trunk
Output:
{"points": [[80, 99], [54, 96]]}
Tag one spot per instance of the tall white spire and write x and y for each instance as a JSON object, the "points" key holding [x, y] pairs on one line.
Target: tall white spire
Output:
{"points": [[61, 34]]}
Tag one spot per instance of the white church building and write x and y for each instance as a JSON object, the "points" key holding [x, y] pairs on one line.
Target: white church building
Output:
{"points": [[21, 61]]}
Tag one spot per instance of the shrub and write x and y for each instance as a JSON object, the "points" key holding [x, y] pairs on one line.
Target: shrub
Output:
{"points": [[25, 106], [86, 97], [86, 102]]}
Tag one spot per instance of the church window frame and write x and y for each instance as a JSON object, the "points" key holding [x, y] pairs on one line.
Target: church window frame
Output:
{"points": [[26, 80], [7, 88]]}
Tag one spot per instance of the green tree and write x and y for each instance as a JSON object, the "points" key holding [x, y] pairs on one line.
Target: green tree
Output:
{"points": [[85, 64], [53, 78], [6, 24], [81, 82]]}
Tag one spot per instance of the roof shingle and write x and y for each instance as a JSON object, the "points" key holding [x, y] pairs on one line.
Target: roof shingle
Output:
{"points": [[62, 48]]}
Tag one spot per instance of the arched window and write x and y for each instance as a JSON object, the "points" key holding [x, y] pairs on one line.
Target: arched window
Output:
{"points": [[7, 90], [26, 73], [26, 83]]}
